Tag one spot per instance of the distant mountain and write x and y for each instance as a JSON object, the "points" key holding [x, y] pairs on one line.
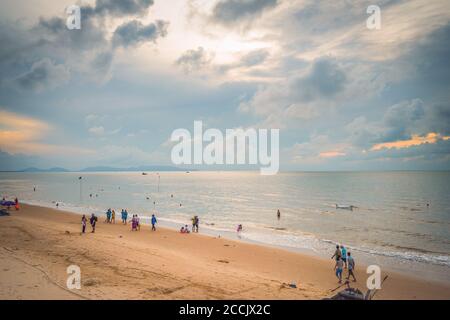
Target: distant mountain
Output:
{"points": [[139, 168], [55, 169], [108, 169]]}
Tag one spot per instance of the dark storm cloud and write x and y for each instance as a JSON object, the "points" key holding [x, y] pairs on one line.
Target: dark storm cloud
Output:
{"points": [[231, 11], [26, 53], [133, 32]]}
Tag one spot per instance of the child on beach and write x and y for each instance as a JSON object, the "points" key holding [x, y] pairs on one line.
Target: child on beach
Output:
{"points": [[83, 224], [154, 221], [338, 267], [351, 267], [93, 222]]}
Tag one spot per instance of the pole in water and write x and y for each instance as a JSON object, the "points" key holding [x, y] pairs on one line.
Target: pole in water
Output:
{"points": [[159, 177], [81, 188]]}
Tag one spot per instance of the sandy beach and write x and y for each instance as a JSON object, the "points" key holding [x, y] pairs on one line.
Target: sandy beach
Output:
{"points": [[38, 244]]}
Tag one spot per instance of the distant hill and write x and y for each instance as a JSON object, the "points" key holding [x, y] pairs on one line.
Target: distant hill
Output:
{"points": [[108, 169], [33, 169], [139, 168]]}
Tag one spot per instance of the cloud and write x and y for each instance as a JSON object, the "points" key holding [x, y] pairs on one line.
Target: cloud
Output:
{"points": [[299, 97], [44, 74], [229, 12], [23, 135], [123, 7], [97, 130], [194, 60], [415, 140], [89, 51], [134, 32]]}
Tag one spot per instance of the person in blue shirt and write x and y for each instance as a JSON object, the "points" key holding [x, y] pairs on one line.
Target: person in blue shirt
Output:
{"points": [[154, 221], [108, 216], [344, 255]]}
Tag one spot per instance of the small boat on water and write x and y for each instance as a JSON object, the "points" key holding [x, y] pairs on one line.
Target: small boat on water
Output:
{"points": [[344, 206]]}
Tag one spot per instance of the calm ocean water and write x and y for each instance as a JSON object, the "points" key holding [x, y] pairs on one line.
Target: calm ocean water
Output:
{"points": [[391, 226]]}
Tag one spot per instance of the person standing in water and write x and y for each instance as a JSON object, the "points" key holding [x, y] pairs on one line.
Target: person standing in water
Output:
{"points": [[278, 214], [197, 222], [83, 224], [93, 222], [154, 222], [351, 267]]}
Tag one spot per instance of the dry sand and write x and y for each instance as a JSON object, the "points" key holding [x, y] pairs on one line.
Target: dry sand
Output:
{"points": [[38, 244]]}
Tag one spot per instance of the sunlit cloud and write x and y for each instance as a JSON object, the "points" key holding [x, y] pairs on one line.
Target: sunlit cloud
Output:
{"points": [[415, 140], [331, 154], [23, 135]]}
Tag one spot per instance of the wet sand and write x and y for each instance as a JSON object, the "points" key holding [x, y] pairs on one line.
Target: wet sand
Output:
{"points": [[38, 244]]}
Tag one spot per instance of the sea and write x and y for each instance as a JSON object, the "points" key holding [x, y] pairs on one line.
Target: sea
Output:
{"points": [[400, 220]]}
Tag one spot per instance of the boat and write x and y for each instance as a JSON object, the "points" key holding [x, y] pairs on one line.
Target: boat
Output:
{"points": [[350, 293], [344, 206]]}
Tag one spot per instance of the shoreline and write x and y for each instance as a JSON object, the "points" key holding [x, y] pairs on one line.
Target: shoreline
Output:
{"points": [[430, 272], [168, 265]]}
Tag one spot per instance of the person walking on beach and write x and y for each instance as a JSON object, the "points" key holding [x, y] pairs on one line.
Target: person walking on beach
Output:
{"points": [[339, 267], [108, 216], [351, 267], [124, 216], [113, 216], [133, 223], [83, 224], [344, 255], [337, 254], [93, 222], [154, 221], [138, 224]]}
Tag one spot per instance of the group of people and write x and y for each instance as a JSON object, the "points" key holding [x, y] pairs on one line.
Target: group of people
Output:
{"points": [[343, 260], [8, 204], [92, 220], [110, 216]]}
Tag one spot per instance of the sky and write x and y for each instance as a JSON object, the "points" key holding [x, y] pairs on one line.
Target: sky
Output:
{"points": [[345, 97]]}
